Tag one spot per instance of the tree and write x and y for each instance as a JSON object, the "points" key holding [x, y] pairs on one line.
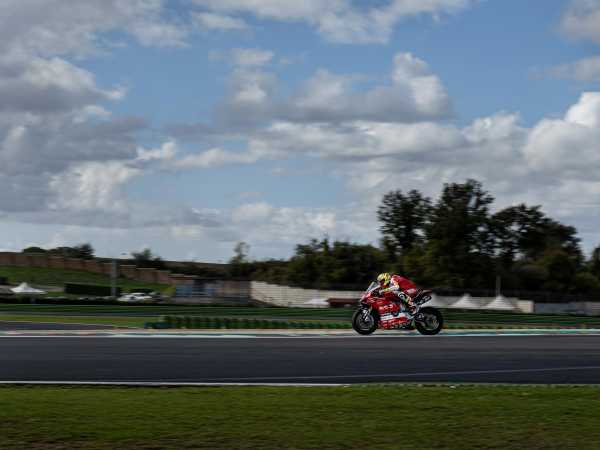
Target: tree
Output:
{"points": [[146, 259], [240, 251], [526, 232], [459, 240], [239, 265], [324, 265], [34, 250], [594, 263], [404, 218], [85, 251]]}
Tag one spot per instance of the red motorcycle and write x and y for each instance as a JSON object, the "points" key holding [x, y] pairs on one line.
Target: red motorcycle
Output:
{"points": [[376, 311]]}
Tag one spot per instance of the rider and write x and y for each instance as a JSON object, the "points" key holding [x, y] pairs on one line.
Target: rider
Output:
{"points": [[399, 287]]}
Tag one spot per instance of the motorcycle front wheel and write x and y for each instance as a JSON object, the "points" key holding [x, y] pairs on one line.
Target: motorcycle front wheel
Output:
{"points": [[430, 321], [364, 323]]}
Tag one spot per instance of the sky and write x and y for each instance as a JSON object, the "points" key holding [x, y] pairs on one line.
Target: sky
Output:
{"points": [[187, 126]]}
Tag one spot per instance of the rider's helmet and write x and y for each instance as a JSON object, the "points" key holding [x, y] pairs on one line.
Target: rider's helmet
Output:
{"points": [[384, 279]]}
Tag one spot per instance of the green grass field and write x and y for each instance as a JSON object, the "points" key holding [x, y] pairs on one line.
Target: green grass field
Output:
{"points": [[124, 321], [330, 418], [58, 277]]}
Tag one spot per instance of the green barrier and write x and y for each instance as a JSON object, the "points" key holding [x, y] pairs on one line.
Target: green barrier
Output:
{"points": [[198, 322]]}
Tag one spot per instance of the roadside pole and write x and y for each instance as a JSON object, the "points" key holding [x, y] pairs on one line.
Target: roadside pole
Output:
{"points": [[113, 278]]}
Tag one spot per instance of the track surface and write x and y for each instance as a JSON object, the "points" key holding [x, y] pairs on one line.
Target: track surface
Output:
{"points": [[501, 359]]}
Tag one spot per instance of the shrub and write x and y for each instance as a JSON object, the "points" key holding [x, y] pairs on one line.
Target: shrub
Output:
{"points": [[89, 289]]}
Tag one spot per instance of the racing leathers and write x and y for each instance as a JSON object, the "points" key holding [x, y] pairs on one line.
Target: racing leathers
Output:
{"points": [[400, 288]]}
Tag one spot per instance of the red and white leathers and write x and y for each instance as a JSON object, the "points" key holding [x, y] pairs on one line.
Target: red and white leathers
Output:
{"points": [[399, 285]]}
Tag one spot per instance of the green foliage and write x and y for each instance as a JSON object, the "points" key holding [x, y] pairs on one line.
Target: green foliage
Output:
{"points": [[459, 237], [190, 268], [84, 251], [192, 322], [239, 267], [464, 245], [526, 232], [321, 264], [58, 277], [587, 283], [453, 242], [594, 263], [403, 220], [34, 250], [89, 289], [456, 417], [146, 259]]}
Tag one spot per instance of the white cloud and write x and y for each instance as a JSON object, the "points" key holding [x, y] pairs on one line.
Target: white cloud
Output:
{"points": [[57, 27], [252, 212], [216, 157], [92, 186], [212, 21], [167, 151], [340, 20], [412, 94], [571, 144], [360, 139], [61, 152], [582, 20], [39, 85], [159, 34], [251, 56], [587, 69], [283, 227]]}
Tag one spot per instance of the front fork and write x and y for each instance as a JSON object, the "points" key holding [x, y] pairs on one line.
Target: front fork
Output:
{"points": [[366, 312]]}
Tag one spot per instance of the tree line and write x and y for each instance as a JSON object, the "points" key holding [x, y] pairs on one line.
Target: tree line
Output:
{"points": [[454, 242]]}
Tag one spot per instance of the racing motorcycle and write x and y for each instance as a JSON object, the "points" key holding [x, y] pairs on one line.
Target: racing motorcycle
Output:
{"points": [[376, 311]]}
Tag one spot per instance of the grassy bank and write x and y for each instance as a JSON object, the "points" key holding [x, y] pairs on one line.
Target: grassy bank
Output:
{"points": [[58, 277], [375, 417], [128, 322]]}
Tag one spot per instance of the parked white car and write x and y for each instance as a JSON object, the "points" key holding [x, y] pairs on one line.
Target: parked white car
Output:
{"points": [[135, 297]]}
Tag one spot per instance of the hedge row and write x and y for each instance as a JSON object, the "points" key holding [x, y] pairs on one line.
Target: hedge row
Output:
{"points": [[90, 289], [234, 323], [23, 300]]}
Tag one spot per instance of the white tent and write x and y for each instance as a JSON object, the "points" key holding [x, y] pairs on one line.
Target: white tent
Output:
{"points": [[440, 302], [317, 302], [24, 288], [502, 303], [465, 302]]}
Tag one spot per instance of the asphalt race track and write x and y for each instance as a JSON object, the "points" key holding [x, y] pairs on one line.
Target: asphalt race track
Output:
{"points": [[494, 359]]}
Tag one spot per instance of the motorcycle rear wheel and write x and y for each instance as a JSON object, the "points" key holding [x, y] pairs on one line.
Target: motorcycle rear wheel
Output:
{"points": [[432, 323], [362, 326]]}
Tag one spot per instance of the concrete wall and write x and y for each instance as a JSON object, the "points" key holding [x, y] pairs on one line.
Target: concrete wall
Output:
{"points": [[587, 308], [309, 298]]}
